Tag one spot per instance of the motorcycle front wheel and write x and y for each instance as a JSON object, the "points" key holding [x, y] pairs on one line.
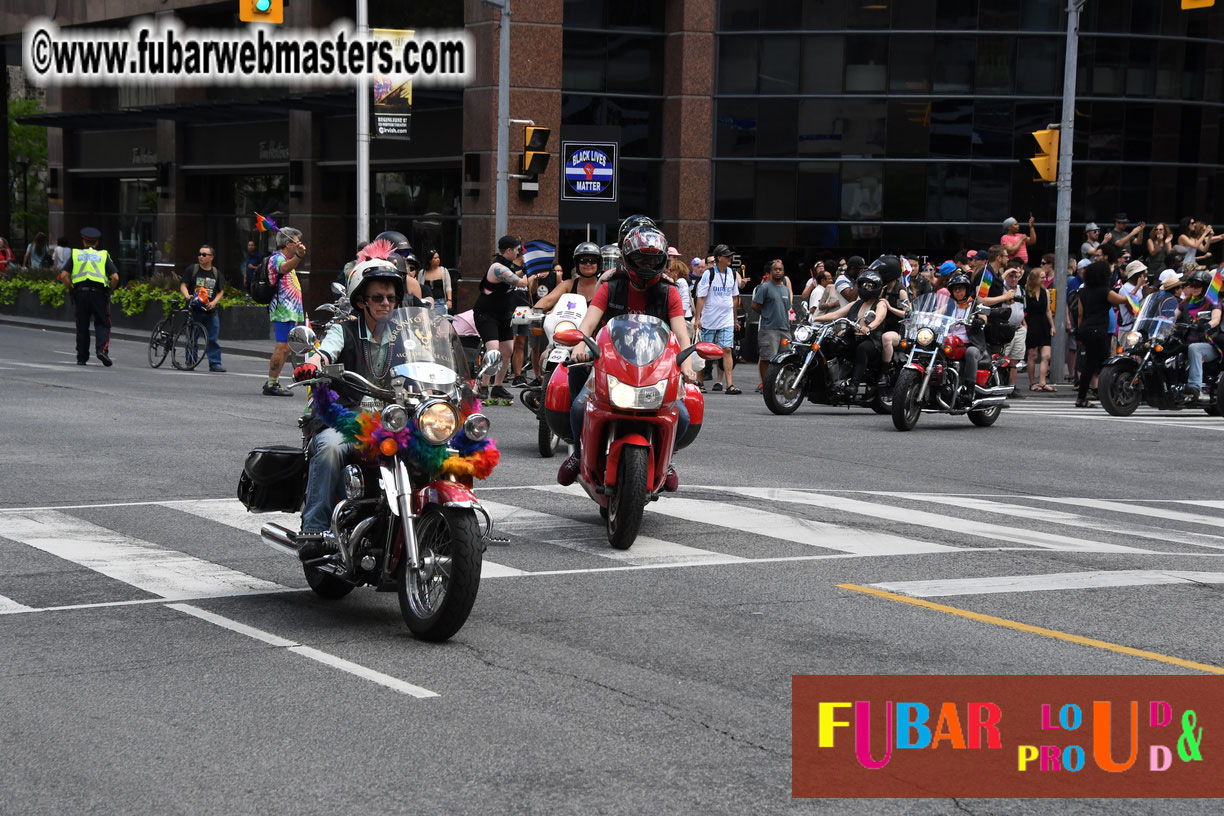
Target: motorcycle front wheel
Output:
{"points": [[905, 407], [1118, 397], [437, 599], [628, 503], [783, 393]]}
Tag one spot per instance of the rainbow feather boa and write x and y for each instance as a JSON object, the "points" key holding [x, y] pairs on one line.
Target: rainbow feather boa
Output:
{"points": [[367, 434]]}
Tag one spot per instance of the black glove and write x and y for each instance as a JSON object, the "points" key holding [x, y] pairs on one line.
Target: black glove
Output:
{"points": [[978, 324], [306, 371]]}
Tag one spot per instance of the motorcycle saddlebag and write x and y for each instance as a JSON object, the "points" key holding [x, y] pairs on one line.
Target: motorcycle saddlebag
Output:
{"points": [[696, 408], [273, 480]]}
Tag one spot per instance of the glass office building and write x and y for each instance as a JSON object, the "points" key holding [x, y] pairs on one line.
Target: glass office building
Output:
{"points": [[869, 126]]}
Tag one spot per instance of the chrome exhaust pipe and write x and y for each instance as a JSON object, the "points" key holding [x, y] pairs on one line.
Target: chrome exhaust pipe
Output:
{"points": [[987, 402], [279, 538], [994, 391]]}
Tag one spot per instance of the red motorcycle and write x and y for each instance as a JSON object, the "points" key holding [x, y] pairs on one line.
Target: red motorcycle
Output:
{"points": [[629, 429]]}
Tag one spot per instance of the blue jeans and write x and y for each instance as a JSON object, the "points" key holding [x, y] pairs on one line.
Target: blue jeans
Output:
{"points": [[578, 409], [1198, 354], [329, 453], [211, 322]]}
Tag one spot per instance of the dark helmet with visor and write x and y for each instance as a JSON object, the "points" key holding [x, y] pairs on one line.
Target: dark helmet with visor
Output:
{"points": [[644, 255]]}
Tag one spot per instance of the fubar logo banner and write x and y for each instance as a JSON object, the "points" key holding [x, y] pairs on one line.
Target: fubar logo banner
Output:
{"points": [[1007, 736]]}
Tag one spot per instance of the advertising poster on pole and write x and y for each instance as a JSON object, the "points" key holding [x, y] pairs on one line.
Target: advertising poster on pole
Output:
{"points": [[392, 109]]}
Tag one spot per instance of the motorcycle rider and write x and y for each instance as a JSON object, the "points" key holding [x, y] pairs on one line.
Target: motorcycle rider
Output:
{"points": [[375, 289], [868, 348], [636, 287], [584, 282], [1205, 319], [404, 259], [896, 300], [960, 287]]}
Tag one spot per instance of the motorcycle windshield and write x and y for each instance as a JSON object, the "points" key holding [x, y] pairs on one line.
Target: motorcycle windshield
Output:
{"points": [[424, 349], [638, 339], [1157, 315], [932, 311]]}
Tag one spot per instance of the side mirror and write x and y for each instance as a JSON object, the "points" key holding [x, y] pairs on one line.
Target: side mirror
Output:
{"points": [[867, 318], [301, 340], [492, 362], [337, 289], [329, 308], [569, 337]]}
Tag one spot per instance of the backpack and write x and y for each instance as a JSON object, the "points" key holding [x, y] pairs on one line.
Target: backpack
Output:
{"points": [[262, 289]]}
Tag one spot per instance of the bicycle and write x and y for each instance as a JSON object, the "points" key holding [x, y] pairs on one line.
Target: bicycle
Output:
{"points": [[183, 341]]}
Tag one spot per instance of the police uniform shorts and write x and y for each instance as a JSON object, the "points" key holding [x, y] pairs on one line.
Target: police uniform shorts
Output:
{"points": [[768, 343], [493, 329]]}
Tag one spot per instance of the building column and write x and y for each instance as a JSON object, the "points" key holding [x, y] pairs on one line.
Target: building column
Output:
{"points": [[535, 93], [688, 124]]}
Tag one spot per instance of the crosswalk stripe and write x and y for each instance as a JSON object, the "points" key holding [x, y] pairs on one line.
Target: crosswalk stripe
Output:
{"points": [[1053, 581], [922, 518], [9, 606], [1134, 509], [592, 539], [231, 513], [1067, 519], [801, 531], [147, 566]]}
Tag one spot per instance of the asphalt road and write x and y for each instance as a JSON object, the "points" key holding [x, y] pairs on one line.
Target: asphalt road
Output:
{"points": [[157, 658]]}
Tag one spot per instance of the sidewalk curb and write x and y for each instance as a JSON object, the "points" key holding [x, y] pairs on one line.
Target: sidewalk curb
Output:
{"points": [[248, 348]]}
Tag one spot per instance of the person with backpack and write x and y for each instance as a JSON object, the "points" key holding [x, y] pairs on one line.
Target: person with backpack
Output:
{"points": [[251, 265], [285, 308]]}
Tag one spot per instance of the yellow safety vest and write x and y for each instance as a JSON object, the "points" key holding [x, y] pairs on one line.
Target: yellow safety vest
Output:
{"points": [[89, 265]]}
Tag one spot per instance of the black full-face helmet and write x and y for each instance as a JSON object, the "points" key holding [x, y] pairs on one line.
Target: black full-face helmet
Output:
{"points": [[888, 267], [644, 255], [869, 285], [631, 223]]}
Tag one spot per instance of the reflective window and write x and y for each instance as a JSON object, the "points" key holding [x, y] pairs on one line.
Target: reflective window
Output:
{"points": [[916, 14], [996, 63], [632, 115], [620, 63], [737, 64], [863, 132], [1109, 67], [775, 192], [947, 196], [867, 15], [639, 185], [780, 15], [909, 63], [990, 194], [776, 127], [821, 127], [909, 128], [951, 128], [735, 128], [956, 14], [905, 187], [734, 189], [823, 65], [866, 63], [1105, 131], [1112, 16], [1137, 137], [827, 15], [779, 56], [953, 70], [1042, 15], [862, 191], [1000, 16], [994, 131], [1039, 62], [819, 191]]}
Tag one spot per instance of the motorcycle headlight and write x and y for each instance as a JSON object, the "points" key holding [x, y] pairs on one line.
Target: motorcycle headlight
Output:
{"points": [[804, 334], [1132, 339], [394, 418], [564, 325], [925, 337], [354, 483], [476, 427], [636, 399], [438, 421]]}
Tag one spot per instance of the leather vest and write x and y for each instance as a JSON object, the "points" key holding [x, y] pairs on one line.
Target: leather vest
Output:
{"points": [[657, 298]]}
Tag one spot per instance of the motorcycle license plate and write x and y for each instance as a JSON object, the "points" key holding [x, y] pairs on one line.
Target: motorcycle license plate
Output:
{"points": [[558, 355]]}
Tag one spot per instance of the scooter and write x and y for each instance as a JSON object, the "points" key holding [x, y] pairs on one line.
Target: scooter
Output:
{"points": [[566, 314], [629, 429]]}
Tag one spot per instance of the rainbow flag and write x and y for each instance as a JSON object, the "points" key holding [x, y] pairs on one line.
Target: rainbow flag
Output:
{"points": [[263, 223], [905, 277], [984, 286], [1213, 291], [1134, 299]]}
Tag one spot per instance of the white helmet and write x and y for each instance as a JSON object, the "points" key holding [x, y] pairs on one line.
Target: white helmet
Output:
{"points": [[373, 269]]}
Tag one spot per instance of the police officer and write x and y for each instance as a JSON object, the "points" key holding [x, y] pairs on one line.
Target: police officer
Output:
{"points": [[87, 272]]}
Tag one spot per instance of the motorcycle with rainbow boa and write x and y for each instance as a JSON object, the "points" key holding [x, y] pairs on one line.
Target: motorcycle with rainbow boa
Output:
{"points": [[409, 521]]}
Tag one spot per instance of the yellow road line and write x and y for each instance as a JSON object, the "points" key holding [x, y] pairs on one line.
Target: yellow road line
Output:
{"points": [[1037, 630]]}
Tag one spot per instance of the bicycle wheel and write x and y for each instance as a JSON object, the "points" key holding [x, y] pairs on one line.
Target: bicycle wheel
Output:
{"points": [[189, 346], [160, 342]]}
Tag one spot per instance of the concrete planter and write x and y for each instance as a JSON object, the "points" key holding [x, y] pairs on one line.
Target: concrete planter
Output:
{"points": [[237, 322]]}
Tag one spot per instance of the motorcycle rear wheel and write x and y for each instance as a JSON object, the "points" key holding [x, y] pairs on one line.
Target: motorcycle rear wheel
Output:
{"points": [[782, 394], [882, 402], [1118, 397], [437, 599], [905, 407], [628, 503], [325, 585], [986, 417]]}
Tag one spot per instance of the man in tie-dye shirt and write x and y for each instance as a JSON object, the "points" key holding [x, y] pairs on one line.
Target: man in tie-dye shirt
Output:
{"points": [[286, 310]]}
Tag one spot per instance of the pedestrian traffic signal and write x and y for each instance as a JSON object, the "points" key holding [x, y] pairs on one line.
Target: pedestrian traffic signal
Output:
{"points": [[1046, 161], [1193, 4], [535, 160]]}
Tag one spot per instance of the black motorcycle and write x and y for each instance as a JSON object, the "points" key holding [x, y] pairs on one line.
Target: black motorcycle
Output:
{"points": [[815, 363], [409, 522], [1153, 365]]}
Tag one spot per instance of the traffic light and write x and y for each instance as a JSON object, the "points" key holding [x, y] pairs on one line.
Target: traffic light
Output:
{"points": [[535, 160], [1046, 161], [1193, 4]]}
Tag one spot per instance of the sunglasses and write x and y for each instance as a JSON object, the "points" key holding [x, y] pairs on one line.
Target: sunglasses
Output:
{"points": [[203, 254], [380, 298], [586, 261]]}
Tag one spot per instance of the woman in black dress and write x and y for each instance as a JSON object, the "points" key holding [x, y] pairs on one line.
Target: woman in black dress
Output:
{"points": [[1095, 301], [1040, 328]]}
